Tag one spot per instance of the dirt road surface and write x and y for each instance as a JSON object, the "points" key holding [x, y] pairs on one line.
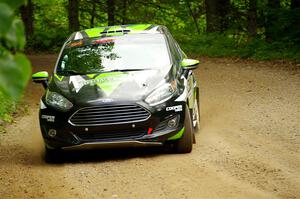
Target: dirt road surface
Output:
{"points": [[248, 145]]}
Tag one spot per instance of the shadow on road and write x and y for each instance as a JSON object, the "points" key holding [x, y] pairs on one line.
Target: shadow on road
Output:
{"points": [[21, 155], [105, 155]]}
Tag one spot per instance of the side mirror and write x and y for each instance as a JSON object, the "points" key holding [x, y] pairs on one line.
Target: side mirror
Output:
{"points": [[189, 64], [41, 77]]}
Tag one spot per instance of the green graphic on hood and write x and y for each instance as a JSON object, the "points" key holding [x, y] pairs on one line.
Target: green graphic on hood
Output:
{"points": [[108, 82], [94, 32], [113, 30], [60, 78], [91, 75]]}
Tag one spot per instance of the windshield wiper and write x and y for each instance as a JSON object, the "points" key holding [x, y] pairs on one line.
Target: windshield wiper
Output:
{"points": [[74, 72], [71, 72], [126, 70]]}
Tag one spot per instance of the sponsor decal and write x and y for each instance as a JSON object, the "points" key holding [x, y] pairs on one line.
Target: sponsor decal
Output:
{"points": [[108, 82], [49, 118], [177, 108], [106, 100]]}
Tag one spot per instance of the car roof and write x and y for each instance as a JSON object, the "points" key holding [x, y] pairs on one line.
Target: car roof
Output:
{"points": [[117, 30]]}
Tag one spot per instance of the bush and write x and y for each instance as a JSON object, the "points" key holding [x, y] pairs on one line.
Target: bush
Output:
{"points": [[48, 41], [216, 45]]}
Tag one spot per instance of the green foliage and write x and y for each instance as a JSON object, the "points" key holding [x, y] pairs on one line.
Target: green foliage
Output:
{"points": [[15, 36], [278, 31], [14, 66], [13, 4], [6, 16], [47, 41], [14, 70], [50, 26], [216, 45]]}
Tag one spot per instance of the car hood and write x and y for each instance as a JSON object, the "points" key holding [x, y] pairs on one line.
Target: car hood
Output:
{"points": [[93, 89]]}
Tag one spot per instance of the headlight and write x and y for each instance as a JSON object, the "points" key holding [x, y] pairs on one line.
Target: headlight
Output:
{"points": [[58, 101], [162, 93]]}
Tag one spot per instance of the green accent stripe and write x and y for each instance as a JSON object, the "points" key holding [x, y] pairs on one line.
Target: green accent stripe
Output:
{"points": [[60, 78], [96, 32], [114, 34], [91, 75], [114, 28], [177, 135], [139, 27]]}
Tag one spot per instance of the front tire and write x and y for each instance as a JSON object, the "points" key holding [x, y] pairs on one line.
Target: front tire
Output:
{"points": [[185, 143], [53, 155]]}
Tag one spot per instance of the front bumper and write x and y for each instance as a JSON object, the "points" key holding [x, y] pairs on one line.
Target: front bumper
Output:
{"points": [[113, 144], [70, 136]]}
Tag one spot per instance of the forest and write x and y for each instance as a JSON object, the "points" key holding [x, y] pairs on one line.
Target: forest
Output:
{"points": [[261, 29], [256, 29]]}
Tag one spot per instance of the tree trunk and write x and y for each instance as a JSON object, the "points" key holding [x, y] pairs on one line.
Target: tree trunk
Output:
{"points": [[252, 14], [295, 4], [217, 15], [93, 12], [73, 15], [111, 12], [271, 18], [193, 16], [27, 17], [295, 25], [274, 3], [223, 11], [124, 12], [212, 21]]}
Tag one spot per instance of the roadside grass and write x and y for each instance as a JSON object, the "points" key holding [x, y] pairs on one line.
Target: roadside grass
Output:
{"points": [[216, 45], [7, 108]]}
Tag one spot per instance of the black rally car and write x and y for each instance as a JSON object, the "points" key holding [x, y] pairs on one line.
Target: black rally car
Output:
{"points": [[120, 86]]}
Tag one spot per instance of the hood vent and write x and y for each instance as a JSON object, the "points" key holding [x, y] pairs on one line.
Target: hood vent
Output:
{"points": [[114, 31]]}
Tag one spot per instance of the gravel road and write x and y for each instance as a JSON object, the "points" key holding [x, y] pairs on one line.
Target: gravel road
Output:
{"points": [[247, 147]]}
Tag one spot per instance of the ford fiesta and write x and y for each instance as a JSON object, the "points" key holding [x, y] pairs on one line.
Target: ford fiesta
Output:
{"points": [[120, 86]]}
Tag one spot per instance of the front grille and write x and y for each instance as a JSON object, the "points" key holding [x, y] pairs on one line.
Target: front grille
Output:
{"points": [[124, 134], [109, 114]]}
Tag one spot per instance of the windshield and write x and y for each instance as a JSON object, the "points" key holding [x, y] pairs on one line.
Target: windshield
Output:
{"points": [[128, 52]]}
